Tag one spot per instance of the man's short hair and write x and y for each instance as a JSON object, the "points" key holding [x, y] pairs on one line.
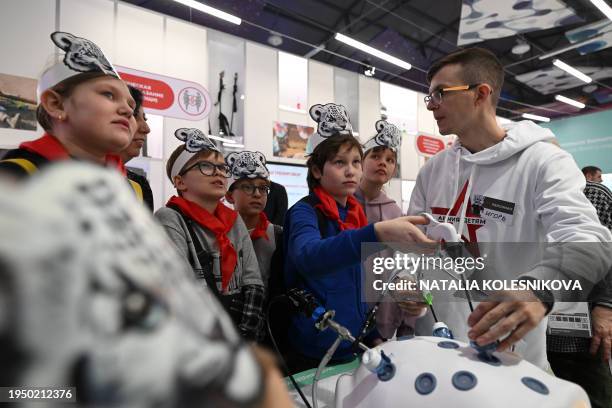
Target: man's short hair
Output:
{"points": [[478, 66], [590, 170]]}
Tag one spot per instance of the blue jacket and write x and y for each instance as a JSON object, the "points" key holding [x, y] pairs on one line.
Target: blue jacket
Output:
{"points": [[330, 269]]}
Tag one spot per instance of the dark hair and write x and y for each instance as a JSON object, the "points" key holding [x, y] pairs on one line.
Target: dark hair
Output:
{"points": [[325, 151], [176, 153], [478, 66], [138, 98], [589, 170], [64, 89]]}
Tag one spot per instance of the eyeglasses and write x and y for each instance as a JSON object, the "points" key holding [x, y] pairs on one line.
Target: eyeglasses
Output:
{"points": [[436, 96], [209, 169], [250, 189]]}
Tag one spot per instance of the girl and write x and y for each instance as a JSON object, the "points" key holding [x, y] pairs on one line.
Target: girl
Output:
{"points": [[86, 110], [211, 236], [379, 166]]}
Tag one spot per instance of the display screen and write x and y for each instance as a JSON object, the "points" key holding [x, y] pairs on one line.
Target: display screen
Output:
{"points": [[292, 177]]}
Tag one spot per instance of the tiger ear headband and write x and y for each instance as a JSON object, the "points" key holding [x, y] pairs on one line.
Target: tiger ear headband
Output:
{"points": [[388, 135], [249, 165], [332, 120], [195, 142], [80, 56]]}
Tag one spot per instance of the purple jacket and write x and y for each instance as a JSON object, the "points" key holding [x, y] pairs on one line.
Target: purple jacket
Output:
{"points": [[389, 316]]}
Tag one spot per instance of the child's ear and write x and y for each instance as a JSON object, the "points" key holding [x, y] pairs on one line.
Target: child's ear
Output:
{"points": [[53, 104], [179, 184], [229, 196], [316, 173]]}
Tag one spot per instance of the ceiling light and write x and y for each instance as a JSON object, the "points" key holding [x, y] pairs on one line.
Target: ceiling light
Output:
{"points": [[569, 101], [221, 139], [373, 51], [314, 51], [369, 71], [211, 10], [536, 117], [570, 47], [603, 7], [573, 71], [275, 40]]}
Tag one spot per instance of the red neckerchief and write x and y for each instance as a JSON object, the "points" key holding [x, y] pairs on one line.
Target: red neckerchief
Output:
{"points": [[220, 223], [51, 149], [261, 228], [355, 218]]}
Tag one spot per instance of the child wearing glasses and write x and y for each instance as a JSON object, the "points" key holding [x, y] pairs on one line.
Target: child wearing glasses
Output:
{"points": [[248, 192], [211, 236]]}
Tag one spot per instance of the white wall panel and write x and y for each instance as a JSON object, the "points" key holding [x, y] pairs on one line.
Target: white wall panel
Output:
{"points": [[369, 106], [25, 26], [139, 39], [185, 52], [320, 86], [91, 19], [261, 103]]}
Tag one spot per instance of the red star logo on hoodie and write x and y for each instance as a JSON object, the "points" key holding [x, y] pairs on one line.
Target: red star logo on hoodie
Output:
{"points": [[473, 220]]}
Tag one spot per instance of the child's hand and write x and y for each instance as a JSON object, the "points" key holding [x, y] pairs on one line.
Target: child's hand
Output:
{"points": [[413, 308], [402, 229]]}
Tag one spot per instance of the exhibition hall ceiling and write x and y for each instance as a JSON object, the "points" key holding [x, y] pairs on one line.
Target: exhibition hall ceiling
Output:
{"points": [[520, 32]]}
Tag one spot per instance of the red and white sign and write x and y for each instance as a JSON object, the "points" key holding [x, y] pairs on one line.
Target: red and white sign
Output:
{"points": [[428, 145], [168, 96]]}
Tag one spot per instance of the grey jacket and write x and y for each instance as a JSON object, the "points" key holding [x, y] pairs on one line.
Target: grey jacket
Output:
{"points": [[247, 269], [246, 278], [264, 249]]}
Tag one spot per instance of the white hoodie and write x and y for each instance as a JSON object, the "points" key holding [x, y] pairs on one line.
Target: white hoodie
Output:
{"points": [[533, 192]]}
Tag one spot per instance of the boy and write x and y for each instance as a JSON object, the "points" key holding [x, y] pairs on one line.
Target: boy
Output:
{"points": [[323, 235], [210, 235], [248, 192]]}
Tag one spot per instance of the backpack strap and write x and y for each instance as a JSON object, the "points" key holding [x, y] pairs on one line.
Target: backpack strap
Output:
{"points": [[137, 190], [203, 256], [278, 236], [25, 164], [322, 220]]}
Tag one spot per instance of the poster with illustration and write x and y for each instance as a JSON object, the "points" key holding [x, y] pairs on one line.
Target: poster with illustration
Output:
{"points": [[17, 102], [289, 140]]}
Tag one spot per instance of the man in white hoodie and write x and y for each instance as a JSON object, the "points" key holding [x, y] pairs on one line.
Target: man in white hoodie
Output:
{"points": [[529, 191]]}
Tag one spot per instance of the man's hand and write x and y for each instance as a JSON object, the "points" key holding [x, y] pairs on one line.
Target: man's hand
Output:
{"points": [[492, 320], [602, 331], [402, 229]]}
